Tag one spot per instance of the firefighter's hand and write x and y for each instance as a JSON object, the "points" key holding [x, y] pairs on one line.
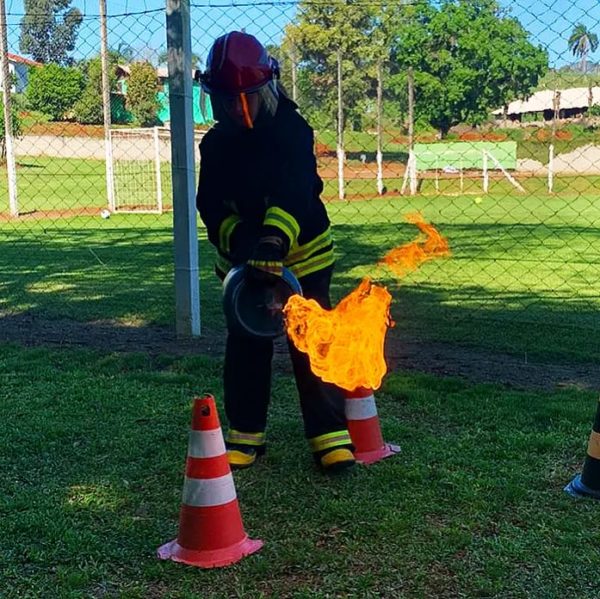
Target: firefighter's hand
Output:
{"points": [[266, 262]]}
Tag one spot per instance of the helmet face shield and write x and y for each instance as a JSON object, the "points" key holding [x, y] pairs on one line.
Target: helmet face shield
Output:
{"points": [[246, 109], [241, 79]]}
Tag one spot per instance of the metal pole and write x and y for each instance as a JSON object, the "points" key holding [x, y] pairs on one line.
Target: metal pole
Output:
{"points": [[340, 130], [380, 127], [411, 132], [11, 166], [294, 73], [185, 232], [110, 181], [157, 171]]}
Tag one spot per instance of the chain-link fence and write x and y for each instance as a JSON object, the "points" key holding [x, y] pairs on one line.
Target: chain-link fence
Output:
{"points": [[482, 115]]}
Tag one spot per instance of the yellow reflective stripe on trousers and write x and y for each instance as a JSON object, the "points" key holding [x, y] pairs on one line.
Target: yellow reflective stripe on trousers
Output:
{"points": [[206, 492], [301, 252], [225, 231], [361, 408], [330, 440], [206, 444], [311, 265], [254, 439], [277, 217]]}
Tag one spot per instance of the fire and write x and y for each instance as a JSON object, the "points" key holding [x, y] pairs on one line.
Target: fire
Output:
{"points": [[408, 257], [344, 345]]}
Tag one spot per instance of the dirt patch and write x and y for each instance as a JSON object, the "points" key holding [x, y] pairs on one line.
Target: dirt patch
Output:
{"points": [[443, 359]]}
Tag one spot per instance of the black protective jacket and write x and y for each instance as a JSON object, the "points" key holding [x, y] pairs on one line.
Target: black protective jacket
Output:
{"points": [[264, 181]]}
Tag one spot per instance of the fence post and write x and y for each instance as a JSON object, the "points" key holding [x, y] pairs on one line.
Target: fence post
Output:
{"points": [[110, 177], [185, 233], [157, 174], [11, 166]]}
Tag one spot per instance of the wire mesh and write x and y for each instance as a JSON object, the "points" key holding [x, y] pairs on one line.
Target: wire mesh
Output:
{"points": [[501, 151]]}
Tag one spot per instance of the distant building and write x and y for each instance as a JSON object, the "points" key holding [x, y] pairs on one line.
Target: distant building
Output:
{"points": [[19, 67], [572, 102]]}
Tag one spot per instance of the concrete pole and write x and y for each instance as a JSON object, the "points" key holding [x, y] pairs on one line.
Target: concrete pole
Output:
{"points": [[187, 289], [110, 187], [11, 165]]}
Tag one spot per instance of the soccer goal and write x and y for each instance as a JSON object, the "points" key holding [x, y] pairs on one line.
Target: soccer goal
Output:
{"points": [[460, 161], [141, 169], [137, 178]]}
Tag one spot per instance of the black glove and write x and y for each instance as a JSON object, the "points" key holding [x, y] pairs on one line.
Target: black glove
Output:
{"points": [[266, 262]]}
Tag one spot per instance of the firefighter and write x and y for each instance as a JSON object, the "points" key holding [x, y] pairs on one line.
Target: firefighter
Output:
{"points": [[259, 198]]}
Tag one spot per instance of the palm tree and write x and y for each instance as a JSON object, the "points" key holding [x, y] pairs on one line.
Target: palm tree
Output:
{"points": [[582, 42]]}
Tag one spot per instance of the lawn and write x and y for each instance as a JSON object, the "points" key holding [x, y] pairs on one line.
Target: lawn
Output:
{"points": [[92, 468], [522, 277], [94, 442]]}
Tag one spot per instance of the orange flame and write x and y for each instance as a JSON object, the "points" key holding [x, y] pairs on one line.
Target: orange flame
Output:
{"points": [[344, 345], [408, 257]]}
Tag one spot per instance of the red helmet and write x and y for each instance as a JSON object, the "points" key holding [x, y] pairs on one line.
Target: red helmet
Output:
{"points": [[238, 62], [238, 65]]}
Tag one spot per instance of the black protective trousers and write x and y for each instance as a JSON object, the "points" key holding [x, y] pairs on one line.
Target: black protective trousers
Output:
{"points": [[247, 377]]}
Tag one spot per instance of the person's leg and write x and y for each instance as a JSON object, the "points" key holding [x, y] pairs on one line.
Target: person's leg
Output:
{"points": [[247, 386], [323, 404]]}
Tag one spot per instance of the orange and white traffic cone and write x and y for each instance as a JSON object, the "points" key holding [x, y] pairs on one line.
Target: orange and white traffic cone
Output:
{"points": [[587, 484], [364, 429], [211, 533]]}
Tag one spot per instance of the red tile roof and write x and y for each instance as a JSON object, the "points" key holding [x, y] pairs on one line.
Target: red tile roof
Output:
{"points": [[23, 60]]}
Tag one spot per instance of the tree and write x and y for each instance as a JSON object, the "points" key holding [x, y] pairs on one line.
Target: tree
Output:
{"points": [[468, 57], [17, 127], [49, 30], [89, 107], [321, 34], [142, 86], [581, 43], [53, 89], [163, 57]]}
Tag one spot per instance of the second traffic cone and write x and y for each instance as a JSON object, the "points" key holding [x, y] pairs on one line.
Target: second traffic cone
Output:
{"points": [[364, 429], [211, 532], [587, 484]]}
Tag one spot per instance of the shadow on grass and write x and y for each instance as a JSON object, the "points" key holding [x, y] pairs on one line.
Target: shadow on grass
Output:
{"points": [[502, 289]]}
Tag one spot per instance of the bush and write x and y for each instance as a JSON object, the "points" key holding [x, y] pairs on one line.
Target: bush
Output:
{"points": [[142, 87], [54, 90]]}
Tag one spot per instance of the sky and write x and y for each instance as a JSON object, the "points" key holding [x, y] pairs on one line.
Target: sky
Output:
{"points": [[140, 23]]}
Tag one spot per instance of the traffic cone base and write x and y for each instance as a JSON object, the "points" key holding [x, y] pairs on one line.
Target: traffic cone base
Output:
{"points": [[577, 489], [214, 558], [370, 457], [587, 484], [211, 532], [364, 428]]}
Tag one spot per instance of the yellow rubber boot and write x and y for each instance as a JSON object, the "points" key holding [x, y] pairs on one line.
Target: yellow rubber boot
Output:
{"points": [[337, 459], [243, 456]]}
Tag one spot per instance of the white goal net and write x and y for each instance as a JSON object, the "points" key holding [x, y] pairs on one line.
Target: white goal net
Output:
{"points": [[141, 169]]}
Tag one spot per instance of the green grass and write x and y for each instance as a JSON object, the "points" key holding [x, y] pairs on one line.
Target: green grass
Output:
{"points": [[58, 184], [522, 277], [92, 465]]}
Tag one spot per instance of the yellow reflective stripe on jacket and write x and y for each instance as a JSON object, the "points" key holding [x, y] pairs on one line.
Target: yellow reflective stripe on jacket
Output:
{"points": [[277, 217], [241, 438], [225, 231], [302, 269], [329, 440], [301, 252]]}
